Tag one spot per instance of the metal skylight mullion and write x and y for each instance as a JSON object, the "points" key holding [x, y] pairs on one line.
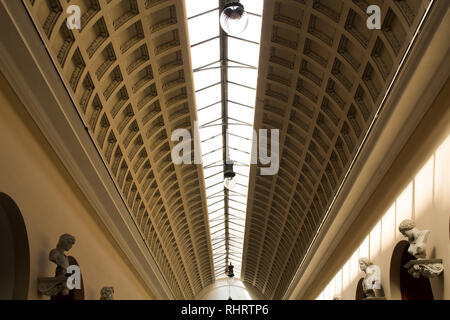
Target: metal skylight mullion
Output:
{"points": [[200, 14], [238, 38], [240, 84], [210, 122], [238, 136], [242, 122], [210, 152], [205, 66], [222, 219], [243, 64], [238, 210], [232, 239], [213, 137], [237, 231], [211, 186], [212, 212], [207, 87], [217, 193], [215, 196], [244, 204], [241, 104], [239, 150], [236, 259], [212, 165], [208, 106], [243, 226], [234, 217], [203, 42], [255, 14], [213, 233], [216, 225], [219, 241], [215, 174]]}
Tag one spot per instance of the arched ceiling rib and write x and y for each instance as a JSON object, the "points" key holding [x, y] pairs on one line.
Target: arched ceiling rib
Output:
{"points": [[322, 77], [129, 74]]}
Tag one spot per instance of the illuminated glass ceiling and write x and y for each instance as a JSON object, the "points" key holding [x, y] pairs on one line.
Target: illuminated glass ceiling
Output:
{"points": [[232, 87]]}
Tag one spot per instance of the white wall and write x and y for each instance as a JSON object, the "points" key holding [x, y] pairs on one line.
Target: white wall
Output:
{"points": [[426, 199], [51, 204]]}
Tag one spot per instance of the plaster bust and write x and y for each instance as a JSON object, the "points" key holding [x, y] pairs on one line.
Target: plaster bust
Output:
{"points": [[65, 243], [58, 284], [107, 293], [372, 280], [417, 238]]}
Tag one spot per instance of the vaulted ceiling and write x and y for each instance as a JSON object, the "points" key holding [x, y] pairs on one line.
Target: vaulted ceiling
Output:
{"points": [[322, 77], [321, 80]]}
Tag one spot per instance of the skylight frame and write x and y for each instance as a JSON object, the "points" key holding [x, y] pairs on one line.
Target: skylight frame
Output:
{"points": [[240, 130]]}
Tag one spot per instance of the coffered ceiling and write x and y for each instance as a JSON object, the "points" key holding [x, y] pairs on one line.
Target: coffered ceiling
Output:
{"points": [[322, 78]]}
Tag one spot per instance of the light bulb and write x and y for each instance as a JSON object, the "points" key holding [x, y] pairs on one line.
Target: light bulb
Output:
{"points": [[234, 19], [229, 183]]}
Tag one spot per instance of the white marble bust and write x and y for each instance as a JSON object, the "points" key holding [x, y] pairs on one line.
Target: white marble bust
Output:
{"points": [[417, 238], [372, 280]]}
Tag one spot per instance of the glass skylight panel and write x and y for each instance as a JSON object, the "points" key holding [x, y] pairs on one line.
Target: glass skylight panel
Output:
{"points": [[244, 76], [208, 96], [243, 52], [242, 61], [203, 27], [205, 53], [196, 7], [240, 94], [205, 78]]}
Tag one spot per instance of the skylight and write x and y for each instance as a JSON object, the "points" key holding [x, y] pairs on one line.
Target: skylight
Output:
{"points": [[240, 87]]}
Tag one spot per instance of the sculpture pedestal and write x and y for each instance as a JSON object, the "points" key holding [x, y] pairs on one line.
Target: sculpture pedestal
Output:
{"points": [[428, 268], [374, 294], [52, 286]]}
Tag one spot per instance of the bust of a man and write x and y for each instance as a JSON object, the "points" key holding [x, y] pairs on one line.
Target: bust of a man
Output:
{"points": [[107, 293], [372, 281], [65, 243], [417, 238]]}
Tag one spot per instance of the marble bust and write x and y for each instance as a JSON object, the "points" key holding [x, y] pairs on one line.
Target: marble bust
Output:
{"points": [[417, 238], [65, 243], [107, 293], [372, 280], [58, 284], [428, 268]]}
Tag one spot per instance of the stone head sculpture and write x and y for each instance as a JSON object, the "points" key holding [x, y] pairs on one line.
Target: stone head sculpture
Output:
{"points": [[364, 263], [107, 293], [65, 242], [406, 228], [417, 238]]}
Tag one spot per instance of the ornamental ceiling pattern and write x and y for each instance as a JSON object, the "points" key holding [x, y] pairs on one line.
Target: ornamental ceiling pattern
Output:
{"points": [[129, 74], [322, 76]]}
